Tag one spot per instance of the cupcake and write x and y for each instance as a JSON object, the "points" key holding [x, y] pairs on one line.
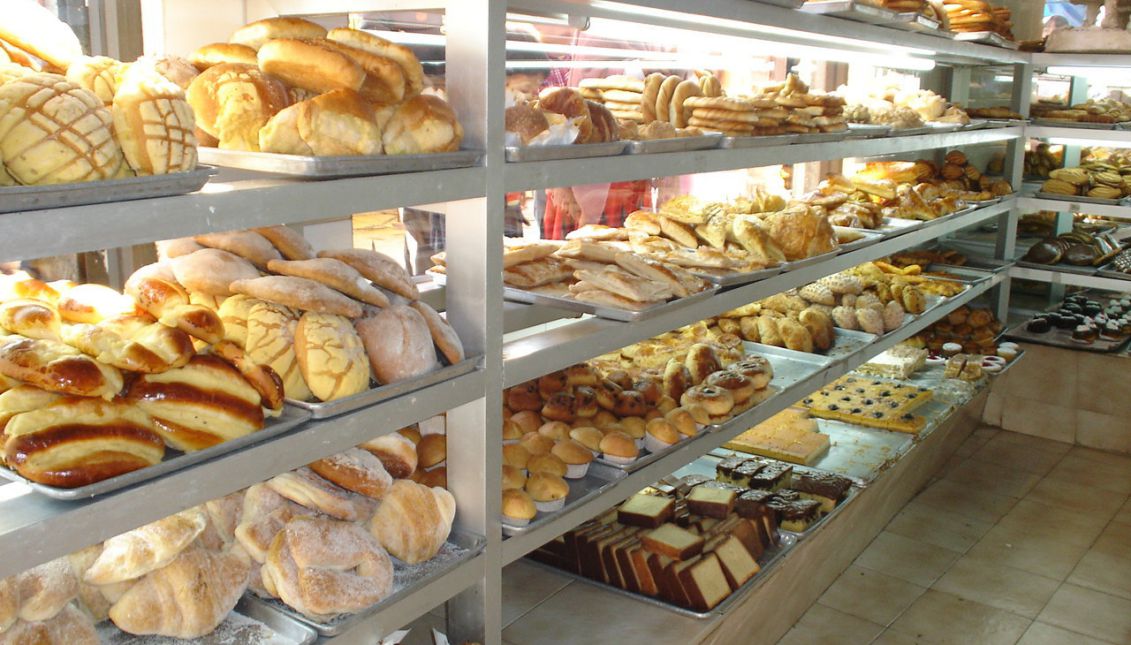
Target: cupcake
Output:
{"points": [[575, 456], [548, 492], [518, 507], [527, 420], [546, 464], [660, 435], [619, 448], [515, 455], [554, 430], [683, 422], [536, 444], [513, 478], [1084, 334], [588, 437]]}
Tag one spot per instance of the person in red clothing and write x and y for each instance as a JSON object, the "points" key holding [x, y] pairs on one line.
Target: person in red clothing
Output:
{"points": [[570, 208]]}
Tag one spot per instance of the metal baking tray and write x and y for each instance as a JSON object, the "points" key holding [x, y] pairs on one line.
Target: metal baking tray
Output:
{"points": [[572, 151], [251, 623], [804, 262], [868, 130], [1063, 338], [822, 137], [519, 295], [676, 144], [937, 126], [1123, 125], [847, 342], [912, 21], [1108, 271], [790, 366], [966, 274], [1062, 268], [868, 238], [174, 460], [26, 198], [1007, 123], [979, 203], [788, 4], [860, 452], [595, 482], [758, 142], [1078, 198], [1069, 123], [459, 548], [986, 37], [911, 132], [949, 216], [851, 10], [976, 124], [731, 279], [343, 166], [327, 409], [894, 226]]}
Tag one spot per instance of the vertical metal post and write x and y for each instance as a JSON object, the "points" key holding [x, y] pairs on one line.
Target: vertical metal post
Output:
{"points": [[1006, 243], [475, 69]]}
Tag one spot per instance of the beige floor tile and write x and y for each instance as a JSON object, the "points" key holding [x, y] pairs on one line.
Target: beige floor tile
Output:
{"points": [[919, 521], [945, 618], [1029, 441], [1105, 572], [1081, 468], [593, 615], [1043, 634], [1115, 540], [890, 637], [1047, 375], [1040, 419], [1043, 555], [994, 478], [1022, 452], [996, 585], [910, 560], [1103, 431], [870, 595], [966, 501], [1102, 456], [1089, 612], [949, 465], [1094, 375], [1124, 514], [995, 405], [1074, 497], [1072, 526], [822, 625], [525, 585]]}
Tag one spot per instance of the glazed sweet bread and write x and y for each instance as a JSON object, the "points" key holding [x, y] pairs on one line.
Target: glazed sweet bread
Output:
{"points": [[304, 487], [171, 305], [147, 548], [30, 318], [266, 382], [132, 344], [153, 123], [271, 342], [396, 452], [323, 568], [56, 367], [413, 521], [331, 356], [93, 303]]}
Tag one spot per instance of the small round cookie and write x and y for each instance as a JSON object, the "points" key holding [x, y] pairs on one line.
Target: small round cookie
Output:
{"points": [[357, 470], [307, 489]]}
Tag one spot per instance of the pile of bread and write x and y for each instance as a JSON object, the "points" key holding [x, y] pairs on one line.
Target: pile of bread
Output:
{"points": [[1091, 111], [974, 328], [978, 15], [288, 85], [96, 383], [1041, 160], [782, 108], [886, 103], [318, 538], [531, 121], [66, 117], [327, 323], [995, 112], [655, 99], [1090, 182]]}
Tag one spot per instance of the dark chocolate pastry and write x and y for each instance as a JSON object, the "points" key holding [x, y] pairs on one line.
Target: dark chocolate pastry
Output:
{"points": [[828, 485], [1038, 325], [1084, 334]]}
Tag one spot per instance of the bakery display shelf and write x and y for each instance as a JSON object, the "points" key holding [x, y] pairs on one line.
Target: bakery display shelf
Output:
{"points": [[861, 452], [687, 451], [1088, 59], [226, 203], [564, 172], [940, 126], [852, 10], [914, 21], [788, 4], [790, 366], [1063, 338], [868, 130], [758, 142], [1061, 267], [965, 274], [794, 265], [22, 198], [328, 409], [977, 124], [174, 460], [849, 341], [822, 137], [867, 238], [533, 355], [942, 219], [1071, 204], [1075, 130], [767, 562], [1109, 271], [597, 480], [911, 132], [986, 37], [250, 623], [311, 167], [733, 279], [1084, 199], [610, 313], [522, 154], [676, 144], [894, 226], [1052, 276], [41, 529], [459, 548], [1068, 123]]}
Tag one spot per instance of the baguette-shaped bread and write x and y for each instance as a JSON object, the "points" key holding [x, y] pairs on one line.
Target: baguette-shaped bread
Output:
{"points": [[186, 599], [147, 548], [56, 367], [413, 521]]}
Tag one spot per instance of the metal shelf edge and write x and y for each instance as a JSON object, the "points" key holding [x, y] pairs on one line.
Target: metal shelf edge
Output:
{"points": [[1070, 279]]}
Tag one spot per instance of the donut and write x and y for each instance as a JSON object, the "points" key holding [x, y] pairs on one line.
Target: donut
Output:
{"points": [[716, 401], [630, 403], [581, 374], [561, 406], [650, 388], [741, 386], [524, 397], [606, 392], [757, 369], [550, 383], [584, 401]]}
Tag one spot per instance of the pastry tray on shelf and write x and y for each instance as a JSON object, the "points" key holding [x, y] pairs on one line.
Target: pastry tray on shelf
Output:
{"points": [[251, 623], [788, 4], [913, 21], [327, 409], [860, 452], [1007, 123], [980, 203], [758, 142], [987, 38], [969, 208], [868, 130], [459, 548], [1084, 199], [1055, 337], [893, 226], [174, 460], [26, 198], [529, 297], [790, 366], [940, 126], [809, 261], [676, 144], [1123, 125], [571, 151], [1108, 271], [599, 478], [732, 279], [976, 124], [851, 10], [1061, 267], [969, 275], [867, 238], [1068, 123], [822, 137], [299, 166]]}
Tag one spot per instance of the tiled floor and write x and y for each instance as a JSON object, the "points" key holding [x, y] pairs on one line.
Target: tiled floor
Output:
{"points": [[1021, 540]]}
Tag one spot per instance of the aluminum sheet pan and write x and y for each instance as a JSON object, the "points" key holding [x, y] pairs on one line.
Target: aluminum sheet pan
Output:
{"points": [[980, 203], [758, 142], [1063, 268], [976, 124], [852, 11], [1084, 199], [459, 548], [1068, 123], [937, 126], [988, 38], [868, 130], [26, 198], [1123, 125], [869, 238], [677, 144], [325, 410], [1007, 123], [967, 274], [860, 452], [790, 366], [1108, 271], [893, 226], [174, 460], [599, 478], [1063, 338], [847, 342], [343, 166], [530, 298], [822, 137], [251, 623], [770, 558], [949, 216], [913, 21], [732, 279], [910, 132], [804, 262], [552, 153], [788, 4]]}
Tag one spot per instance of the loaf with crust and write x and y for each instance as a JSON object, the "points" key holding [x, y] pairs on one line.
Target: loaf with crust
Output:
{"points": [[399, 344], [413, 521], [299, 293], [232, 101], [334, 274], [212, 271], [422, 124], [289, 242]]}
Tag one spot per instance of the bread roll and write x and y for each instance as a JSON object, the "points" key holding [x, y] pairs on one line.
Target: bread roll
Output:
{"points": [[69, 626], [334, 274], [422, 124], [255, 34], [398, 343], [31, 318], [232, 101], [56, 367], [413, 521], [169, 249], [9, 602], [153, 123], [379, 268], [39, 108], [217, 53], [396, 452], [189, 598], [148, 548], [271, 342], [44, 590], [339, 122], [98, 74], [264, 513], [310, 65], [355, 470], [331, 356], [29, 26], [410, 66], [304, 487], [289, 242], [212, 271]]}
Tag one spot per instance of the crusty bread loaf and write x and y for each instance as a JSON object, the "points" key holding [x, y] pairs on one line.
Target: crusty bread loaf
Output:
{"points": [[299, 293], [355, 470], [445, 338], [334, 274], [69, 626], [304, 487], [232, 101], [422, 124], [413, 521], [56, 367], [29, 26], [271, 341], [135, 553], [249, 245], [255, 34], [410, 66], [289, 242], [217, 53], [384, 81], [331, 356], [396, 452], [310, 65], [212, 271], [339, 122], [153, 123], [379, 268], [398, 343]]}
